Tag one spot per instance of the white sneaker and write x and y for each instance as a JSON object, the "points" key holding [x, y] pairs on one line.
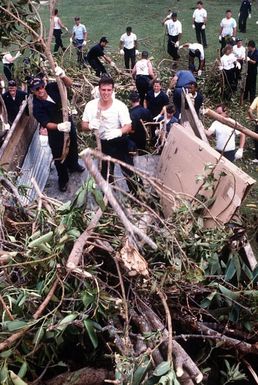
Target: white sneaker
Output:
{"points": [[255, 160]]}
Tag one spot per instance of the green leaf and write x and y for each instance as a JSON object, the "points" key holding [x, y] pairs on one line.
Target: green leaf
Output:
{"points": [[66, 321], [162, 369], [6, 353], [89, 326], [231, 270], [23, 369], [140, 372], [15, 325], [16, 379]]}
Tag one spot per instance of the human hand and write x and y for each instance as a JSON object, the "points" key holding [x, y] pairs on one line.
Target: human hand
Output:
{"points": [[18, 54], [203, 26], [156, 118], [94, 124], [121, 51], [248, 59], [238, 14], [199, 72], [239, 154], [169, 92], [220, 37], [181, 46], [193, 26], [112, 134], [84, 43], [249, 15], [137, 52], [67, 30], [59, 72], [238, 65], [220, 67], [71, 39], [6, 126], [64, 127], [177, 44], [233, 38], [112, 64]]}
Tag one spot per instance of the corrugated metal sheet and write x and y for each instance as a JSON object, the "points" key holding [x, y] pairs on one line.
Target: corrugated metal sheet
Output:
{"points": [[36, 164]]}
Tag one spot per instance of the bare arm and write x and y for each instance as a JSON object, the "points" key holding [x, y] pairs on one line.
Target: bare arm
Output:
{"points": [[135, 44], [173, 82], [251, 114], [67, 81], [234, 32], [151, 73], [61, 24], [121, 44], [85, 126], [134, 72], [242, 140], [107, 59], [126, 128]]}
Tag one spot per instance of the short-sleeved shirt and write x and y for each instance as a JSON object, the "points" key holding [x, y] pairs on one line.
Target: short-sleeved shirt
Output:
{"points": [[184, 78], [128, 40], [194, 46], [239, 52], [222, 133], [114, 117], [254, 106], [95, 52], [227, 26], [199, 15], [174, 28], [79, 31], [155, 103], [228, 61]]}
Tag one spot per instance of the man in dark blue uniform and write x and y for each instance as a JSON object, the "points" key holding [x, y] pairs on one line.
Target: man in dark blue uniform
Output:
{"points": [[252, 59], [47, 109], [95, 53], [244, 11], [137, 115], [13, 99], [156, 99]]}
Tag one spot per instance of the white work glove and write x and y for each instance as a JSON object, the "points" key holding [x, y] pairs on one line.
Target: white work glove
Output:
{"points": [[112, 64], [248, 58], [112, 134], [199, 72], [249, 15], [156, 118], [181, 46], [233, 38], [238, 14], [94, 124], [220, 67], [64, 127], [177, 44], [193, 26], [239, 154], [137, 52], [238, 65], [71, 39], [84, 43], [59, 72], [18, 54], [67, 30], [203, 26], [220, 37], [121, 51], [256, 22], [169, 92], [6, 126]]}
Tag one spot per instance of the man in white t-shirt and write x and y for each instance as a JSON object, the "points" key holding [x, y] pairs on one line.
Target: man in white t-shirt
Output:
{"points": [[228, 29], [128, 47], [111, 119], [240, 54], [174, 31], [195, 51], [225, 137], [79, 37], [199, 23]]}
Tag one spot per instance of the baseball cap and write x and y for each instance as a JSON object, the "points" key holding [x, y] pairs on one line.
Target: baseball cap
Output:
{"points": [[36, 83], [12, 83], [134, 96], [174, 14], [238, 39], [103, 39]]}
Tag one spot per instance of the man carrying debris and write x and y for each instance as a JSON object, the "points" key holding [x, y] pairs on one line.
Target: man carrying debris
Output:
{"points": [[13, 99], [79, 37], [253, 114], [195, 51], [225, 137], [110, 118], [182, 79], [174, 31], [8, 63], [47, 109], [96, 52], [143, 73], [128, 47]]}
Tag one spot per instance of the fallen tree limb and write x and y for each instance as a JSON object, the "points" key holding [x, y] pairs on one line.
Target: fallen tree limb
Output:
{"points": [[46, 300]]}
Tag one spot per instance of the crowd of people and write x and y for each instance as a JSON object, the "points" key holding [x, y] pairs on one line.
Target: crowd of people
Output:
{"points": [[122, 131]]}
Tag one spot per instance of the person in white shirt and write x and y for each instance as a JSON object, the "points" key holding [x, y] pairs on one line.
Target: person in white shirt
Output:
{"points": [[79, 37], [8, 61], [195, 51], [142, 73], [128, 47], [228, 29], [57, 32], [199, 23], [228, 65], [240, 54], [225, 137], [174, 31], [111, 119]]}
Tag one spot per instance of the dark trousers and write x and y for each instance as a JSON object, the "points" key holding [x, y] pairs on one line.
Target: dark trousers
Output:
{"points": [[172, 50], [191, 60], [8, 71], [223, 43], [56, 140], [97, 66], [230, 155], [177, 101], [200, 34], [78, 44], [256, 143], [129, 56], [250, 87], [230, 83], [143, 85], [118, 149], [58, 40], [242, 21]]}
